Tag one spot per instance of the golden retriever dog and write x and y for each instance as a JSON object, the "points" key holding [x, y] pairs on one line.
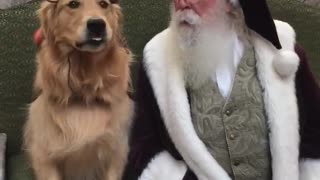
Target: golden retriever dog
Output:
{"points": [[78, 125]]}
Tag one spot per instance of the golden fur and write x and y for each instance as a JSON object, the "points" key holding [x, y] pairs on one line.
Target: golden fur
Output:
{"points": [[78, 126]]}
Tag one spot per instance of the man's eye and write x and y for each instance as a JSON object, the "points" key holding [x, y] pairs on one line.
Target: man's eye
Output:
{"points": [[74, 4], [104, 4]]}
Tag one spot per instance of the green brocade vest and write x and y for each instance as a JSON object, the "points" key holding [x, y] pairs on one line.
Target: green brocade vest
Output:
{"points": [[234, 129]]}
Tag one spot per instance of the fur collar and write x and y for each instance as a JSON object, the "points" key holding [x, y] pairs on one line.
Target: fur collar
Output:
{"points": [[276, 71]]}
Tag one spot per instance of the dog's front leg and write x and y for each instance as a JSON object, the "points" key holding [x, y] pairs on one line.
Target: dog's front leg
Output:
{"points": [[45, 170], [117, 163]]}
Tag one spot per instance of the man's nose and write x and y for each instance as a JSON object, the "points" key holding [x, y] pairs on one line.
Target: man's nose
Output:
{"points": [[184, 4]]}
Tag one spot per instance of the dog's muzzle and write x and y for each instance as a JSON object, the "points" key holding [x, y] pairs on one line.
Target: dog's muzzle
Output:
{"points": [[95, 33], [96, 29]]}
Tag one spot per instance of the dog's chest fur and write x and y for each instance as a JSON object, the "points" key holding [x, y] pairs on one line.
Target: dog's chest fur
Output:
{"points": [[80, 124], [74, 126], [79, 138]]}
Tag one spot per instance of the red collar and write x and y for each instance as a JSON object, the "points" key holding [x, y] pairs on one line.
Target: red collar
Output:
{"points": [[37, 37]]}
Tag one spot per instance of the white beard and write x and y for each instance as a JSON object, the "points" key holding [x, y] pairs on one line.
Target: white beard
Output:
{"points": [[202, 47]]}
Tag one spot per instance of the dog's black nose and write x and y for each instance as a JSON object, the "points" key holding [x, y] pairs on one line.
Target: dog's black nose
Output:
{"points": [[96, 26]]}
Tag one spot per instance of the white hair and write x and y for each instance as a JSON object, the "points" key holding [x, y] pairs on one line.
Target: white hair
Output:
{"points": [[207, 42]]}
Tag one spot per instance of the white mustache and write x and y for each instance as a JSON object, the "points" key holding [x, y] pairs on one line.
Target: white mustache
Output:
{"points": [[188, 16]]}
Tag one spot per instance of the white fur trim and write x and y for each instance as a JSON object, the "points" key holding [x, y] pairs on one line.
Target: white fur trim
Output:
{"points": [[310, 169], [168, 84], [281, 105], [286, 63], [164, 167], [287, 35], [166, 75]]}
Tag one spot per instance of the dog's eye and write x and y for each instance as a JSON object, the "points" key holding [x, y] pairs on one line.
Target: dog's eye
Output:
{"points": [[74, 4], [103, 4]]}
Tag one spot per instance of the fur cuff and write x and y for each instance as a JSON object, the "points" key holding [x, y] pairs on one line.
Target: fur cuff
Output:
{"points": [[310, 169], [164, 167]]}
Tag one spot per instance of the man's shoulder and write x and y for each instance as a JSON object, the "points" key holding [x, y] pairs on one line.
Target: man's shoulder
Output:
{"points": [[156, 50], [158, 41]]}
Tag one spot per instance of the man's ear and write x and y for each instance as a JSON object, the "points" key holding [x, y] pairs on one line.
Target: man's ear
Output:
{"points": [[46, 14]]}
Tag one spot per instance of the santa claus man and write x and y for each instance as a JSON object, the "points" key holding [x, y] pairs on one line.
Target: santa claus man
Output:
{"points": [[225, 93]]}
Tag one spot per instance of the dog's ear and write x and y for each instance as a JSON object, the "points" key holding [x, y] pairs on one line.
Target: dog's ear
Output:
{"points": [[118, 24], [46, 15]]}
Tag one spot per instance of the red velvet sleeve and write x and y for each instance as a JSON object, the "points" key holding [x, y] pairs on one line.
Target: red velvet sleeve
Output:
{"points": [[308, 95]]}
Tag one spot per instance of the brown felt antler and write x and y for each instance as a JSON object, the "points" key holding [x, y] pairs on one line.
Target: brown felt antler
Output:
{"points": [[114, 1], [52, 1]]}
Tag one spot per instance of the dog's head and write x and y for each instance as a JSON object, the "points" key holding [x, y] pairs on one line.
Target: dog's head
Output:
{"points": [[86, 25]]}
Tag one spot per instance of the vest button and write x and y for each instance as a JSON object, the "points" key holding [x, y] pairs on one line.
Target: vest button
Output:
{"points": [[232, 137], [236, 162], [228, 112]]}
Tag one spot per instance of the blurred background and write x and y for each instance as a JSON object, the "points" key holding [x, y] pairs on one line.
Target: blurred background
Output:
{"points": [[311, 2]]}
